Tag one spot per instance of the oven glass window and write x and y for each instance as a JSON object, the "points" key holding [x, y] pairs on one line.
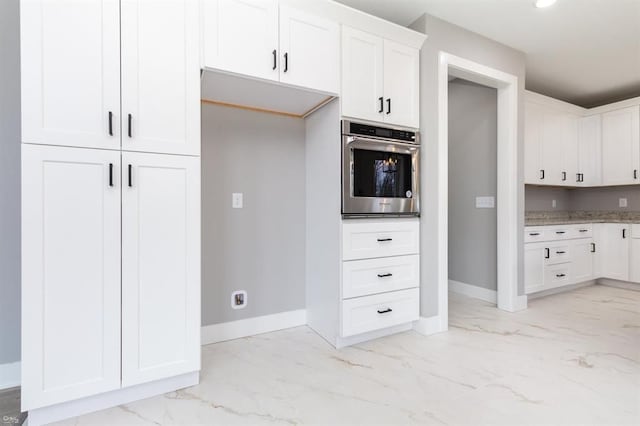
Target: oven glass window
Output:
{"points": [[381, 174]]}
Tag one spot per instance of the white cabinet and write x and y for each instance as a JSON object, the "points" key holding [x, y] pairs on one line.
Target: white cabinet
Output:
{"points": [[309, 46], [634, 260], [533, 171], [70, 273], [614, 251], [582, 259], [161, 76], [242, 36], [621, 146], [259, 39], [380, 79], [71, 72], [590, 151], [534, 266], [160, 266]]}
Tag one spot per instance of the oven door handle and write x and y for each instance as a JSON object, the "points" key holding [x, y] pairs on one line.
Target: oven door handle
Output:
{"points": [[380, 144]]}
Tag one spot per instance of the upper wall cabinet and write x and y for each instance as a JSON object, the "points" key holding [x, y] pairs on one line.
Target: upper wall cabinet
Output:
{"points": [[590, 151], [72, 60], [380, 79], [621, 146], [71, 72], [258, 38]]}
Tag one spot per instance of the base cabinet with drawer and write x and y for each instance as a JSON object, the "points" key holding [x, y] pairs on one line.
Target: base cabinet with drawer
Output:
{"points": [[634, 260]]}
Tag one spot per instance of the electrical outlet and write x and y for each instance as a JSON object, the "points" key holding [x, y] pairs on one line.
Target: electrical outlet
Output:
{"points": [[554, 204], [236, 200], [239, 299], [622, 202]]}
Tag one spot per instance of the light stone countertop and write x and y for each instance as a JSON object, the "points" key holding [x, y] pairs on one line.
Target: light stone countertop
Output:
{"points": [[547, 218]]}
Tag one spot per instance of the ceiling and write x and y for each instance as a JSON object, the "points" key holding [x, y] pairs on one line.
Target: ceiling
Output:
{"points": [[586, 52]]}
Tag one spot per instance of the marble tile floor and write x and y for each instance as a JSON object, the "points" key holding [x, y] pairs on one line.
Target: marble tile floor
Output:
{"points": [[571, 358], [10, 407]]}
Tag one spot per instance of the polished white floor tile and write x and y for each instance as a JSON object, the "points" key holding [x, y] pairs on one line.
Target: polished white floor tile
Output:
{"points": [[571, 358]]}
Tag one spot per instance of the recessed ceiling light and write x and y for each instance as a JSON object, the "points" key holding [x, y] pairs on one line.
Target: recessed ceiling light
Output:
{"points": [[544, 3]]}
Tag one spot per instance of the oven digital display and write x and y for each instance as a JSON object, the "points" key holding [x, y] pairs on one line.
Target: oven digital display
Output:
{"points": [[383, 133]]}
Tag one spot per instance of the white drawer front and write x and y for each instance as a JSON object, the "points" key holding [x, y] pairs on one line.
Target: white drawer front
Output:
{"points": [[371, 276], [559, 233], [582, 231], [557, 275], [370, 239], [532, 235], [369, 313], [559, 253]]}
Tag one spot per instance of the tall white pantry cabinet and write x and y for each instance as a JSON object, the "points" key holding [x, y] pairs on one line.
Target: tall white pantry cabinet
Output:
{"points": [[110, 197]]}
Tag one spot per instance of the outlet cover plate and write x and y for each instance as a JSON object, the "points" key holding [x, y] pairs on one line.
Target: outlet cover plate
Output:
{"points": [[485, 202]]}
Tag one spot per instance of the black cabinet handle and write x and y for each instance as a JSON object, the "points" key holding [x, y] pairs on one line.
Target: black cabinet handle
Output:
{"points": [[110, 123], [560, 275], [635, 174], [581, 177], [381, 240], [564, 176], [388, 106], [275, 58], [584, 230], [560, 232], [624, 233], [385, 275], [541, 174], [129, 176], [577, 177], [381, 99], [593, 247], [560, 252], [385, 311], [534, 234], [129, 119], [286, 62], [547, 253], [110, 174]]}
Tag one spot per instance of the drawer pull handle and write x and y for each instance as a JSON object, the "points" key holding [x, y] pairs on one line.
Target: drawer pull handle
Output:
{"points": [[584, 230], [534, 234], [560, 275], [560, 252], [386, 311], [385, 275], [546, 253], [560, 232], [382, 240], [593, 247]]}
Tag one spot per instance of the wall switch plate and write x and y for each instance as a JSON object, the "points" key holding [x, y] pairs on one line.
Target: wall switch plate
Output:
{"points": [[554, 204], [485, 202], [623, 202], [239, 299], [236, 200]]}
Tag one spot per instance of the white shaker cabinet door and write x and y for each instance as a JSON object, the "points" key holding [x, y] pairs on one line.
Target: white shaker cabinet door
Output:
{"points": [[621, 146], [70, 273], [614, 251], [552, 148], [634, 261], [160, 266], [401, 84], [241, 36], [309, 51], [534, 172], [362, 80], [582, 259], [70, 58], [534, 267], [161, 76], [590, 151]]}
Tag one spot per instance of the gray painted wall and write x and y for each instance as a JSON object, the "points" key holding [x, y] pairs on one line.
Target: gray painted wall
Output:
{"points": [[595, 199], [260, 248], [473, 135], [460, 42], [9, 181]]}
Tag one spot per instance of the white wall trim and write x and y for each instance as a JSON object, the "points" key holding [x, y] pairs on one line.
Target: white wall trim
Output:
{"points": [[430, 325], [9, 375], [474, 291], [251, 326], [508, 178]]}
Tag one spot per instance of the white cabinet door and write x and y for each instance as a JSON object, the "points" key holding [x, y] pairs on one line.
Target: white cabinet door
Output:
{"points": [[582, 256], [621, 146], [552, 148], [71, 72], [614, 251], [161, 76], [569, 141], [241, 36], [533, 119], [362, 81], [534, 264], [401, 84], [310, 51], [70, 273], [634, 261], [590, 151], [160, 266]]}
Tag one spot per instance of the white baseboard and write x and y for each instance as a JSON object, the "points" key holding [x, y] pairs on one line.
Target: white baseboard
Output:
{"points": [[9, 375], [429, 325], [626, 285], [476, 292], [251, 326], [342, 342]]}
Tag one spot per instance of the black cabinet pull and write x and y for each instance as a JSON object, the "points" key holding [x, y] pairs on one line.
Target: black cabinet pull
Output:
{"points": [[560, 252], [560, 232], [564, 176], [624, 233], [275, 59], [534, 234], [129, 176], [129, 118], [388, 106], [560, 275], [381, 240], [584, 230], [593, 247], [286, 62], [110, 174], [385, 275], [547, 253], [110, 123], [577, 177], [381, 99], [541, 174], [635, 174], [581, 177], [385, 311]]}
